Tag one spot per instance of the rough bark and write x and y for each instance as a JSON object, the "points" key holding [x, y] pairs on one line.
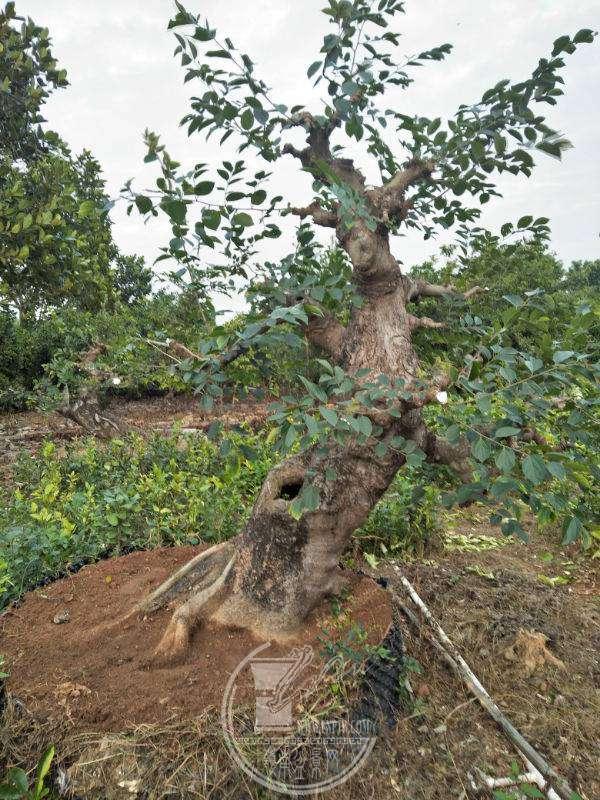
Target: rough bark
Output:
{"points": [[279, 568]]}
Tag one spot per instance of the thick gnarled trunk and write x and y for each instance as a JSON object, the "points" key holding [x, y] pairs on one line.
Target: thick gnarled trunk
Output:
{"points": [[279, 568]]}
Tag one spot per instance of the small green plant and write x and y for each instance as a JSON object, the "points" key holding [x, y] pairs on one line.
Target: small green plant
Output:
{"points": [[15, 784], [3, 674], [404, 520], [353, 646], [410, 666]]}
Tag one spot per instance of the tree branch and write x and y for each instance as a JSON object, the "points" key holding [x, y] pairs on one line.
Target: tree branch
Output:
{"points": [[390, 199], [420, 288], [327, 333], [321, 216], [456, 456], [424, 322], [414, 171], [322, 330], [318, 151]]}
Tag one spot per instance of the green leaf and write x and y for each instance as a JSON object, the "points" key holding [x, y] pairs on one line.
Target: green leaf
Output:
{"points": [[534, 469], [204, 187], [218, 54], [143, 203], [530, 791], [42, 771], [525, 222], [505, 459], [505, 431], [290, 437], [18, 778], [86, 209], [415, 459], [312, 425], [310, 498], [314, 390], [533, 364], [247, 119], [365, 425], [484, 403], [258, 197], [562, 355], [211, 219], [514, 299], [329, 415], [8, 792], [560, 44], [381, 449], [453, 434], [572, 530], [176, 210], [481, 449], [499, 143], [556, 469], [313, 68], [584, 35], [243, 219], [295, 508]]}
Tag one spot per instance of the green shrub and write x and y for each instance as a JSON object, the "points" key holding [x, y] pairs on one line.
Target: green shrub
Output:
{"points": [[39, 357], [23, 353], [405, 518], [93, 501]]}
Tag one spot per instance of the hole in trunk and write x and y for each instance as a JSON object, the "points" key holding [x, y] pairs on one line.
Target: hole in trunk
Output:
{"points": [[290, 490]]}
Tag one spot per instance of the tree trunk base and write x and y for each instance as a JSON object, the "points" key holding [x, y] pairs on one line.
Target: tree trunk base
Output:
{"points": [[204, 589]]}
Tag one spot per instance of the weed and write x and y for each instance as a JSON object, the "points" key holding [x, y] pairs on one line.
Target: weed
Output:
{"points": [[405, 519], [15, 784]]}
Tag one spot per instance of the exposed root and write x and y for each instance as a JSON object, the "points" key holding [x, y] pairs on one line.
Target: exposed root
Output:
{"points": [[175, 642], [198, 576], [186, 578]]}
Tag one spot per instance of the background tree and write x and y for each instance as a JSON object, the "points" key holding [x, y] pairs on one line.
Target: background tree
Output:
{"points": [[28, 74], [583, 276], [375, 406], [56, 244], [132, 278]]}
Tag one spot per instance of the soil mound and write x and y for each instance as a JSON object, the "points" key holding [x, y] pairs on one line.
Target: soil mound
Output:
{"points": [[61, 667]]}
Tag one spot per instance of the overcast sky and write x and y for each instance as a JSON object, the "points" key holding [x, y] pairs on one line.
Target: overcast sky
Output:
{"points": [[124, 78]]}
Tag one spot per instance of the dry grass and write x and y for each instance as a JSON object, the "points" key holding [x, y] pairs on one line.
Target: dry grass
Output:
{"points": [[180, 759]]}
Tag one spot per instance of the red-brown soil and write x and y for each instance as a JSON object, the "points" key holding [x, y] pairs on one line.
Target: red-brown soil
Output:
{"points": [[99, 679]]}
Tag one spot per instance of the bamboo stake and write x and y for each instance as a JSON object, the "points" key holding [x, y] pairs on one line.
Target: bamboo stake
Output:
{"points": [[441, 642]]}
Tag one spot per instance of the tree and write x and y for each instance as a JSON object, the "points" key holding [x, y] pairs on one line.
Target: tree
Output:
{"points": [[501, 270], [55, 234], [132, 278], [28, 74], [57, 244], [374, 408], [584, 276]]}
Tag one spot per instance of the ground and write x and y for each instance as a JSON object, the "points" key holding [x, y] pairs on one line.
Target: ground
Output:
{"points": [[99, 678], [484, 590]]}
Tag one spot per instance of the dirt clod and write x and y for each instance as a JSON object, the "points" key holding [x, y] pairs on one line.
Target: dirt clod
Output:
{"points": [[529, 651]]}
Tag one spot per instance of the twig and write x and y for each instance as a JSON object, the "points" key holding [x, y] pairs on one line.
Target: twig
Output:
{"points": [[441, 642]]}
